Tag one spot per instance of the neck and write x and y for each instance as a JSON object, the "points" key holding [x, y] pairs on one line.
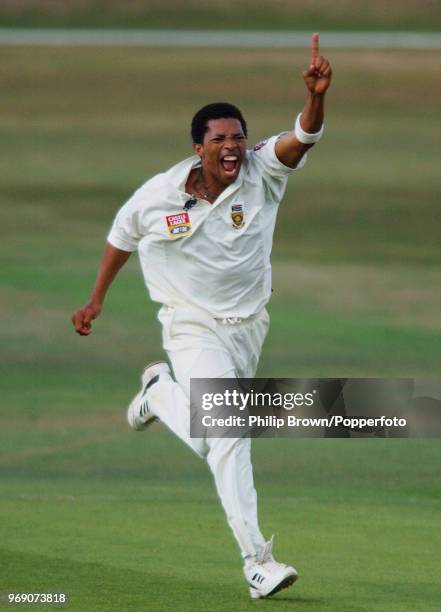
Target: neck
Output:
{"points": [[212, 190]]}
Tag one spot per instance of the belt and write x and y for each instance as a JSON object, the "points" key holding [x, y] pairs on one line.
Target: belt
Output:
{"points": [[224, 320], [234, 320]]}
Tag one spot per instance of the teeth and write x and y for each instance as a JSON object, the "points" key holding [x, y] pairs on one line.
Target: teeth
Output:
{"points": [[230, 158]]}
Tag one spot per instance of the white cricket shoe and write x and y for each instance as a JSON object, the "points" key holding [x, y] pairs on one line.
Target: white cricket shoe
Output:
{"points": [[266, 576], [138, 414]]}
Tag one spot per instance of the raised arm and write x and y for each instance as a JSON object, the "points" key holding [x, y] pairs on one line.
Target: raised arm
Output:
{"points": [[291, 148], [112, 261]]}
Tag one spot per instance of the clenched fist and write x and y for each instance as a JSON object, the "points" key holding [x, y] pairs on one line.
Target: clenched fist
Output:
{"points": [[82, 319]]}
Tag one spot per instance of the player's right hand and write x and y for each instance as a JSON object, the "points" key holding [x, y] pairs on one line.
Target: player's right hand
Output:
{"points": [[82, 318]]}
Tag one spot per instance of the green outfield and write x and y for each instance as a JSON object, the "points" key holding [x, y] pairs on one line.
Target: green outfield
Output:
{"points": [[124, 521]]}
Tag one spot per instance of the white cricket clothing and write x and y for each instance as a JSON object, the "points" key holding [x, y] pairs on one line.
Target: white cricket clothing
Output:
{"points": [[215, 256], [210, 269], [198, 346]]}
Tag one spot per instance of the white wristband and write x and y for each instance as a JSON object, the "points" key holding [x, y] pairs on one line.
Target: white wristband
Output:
{"points": [[305, 137]]}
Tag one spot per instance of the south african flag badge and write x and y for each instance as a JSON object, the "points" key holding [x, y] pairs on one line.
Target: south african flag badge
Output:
{"points": [[237, 215]]}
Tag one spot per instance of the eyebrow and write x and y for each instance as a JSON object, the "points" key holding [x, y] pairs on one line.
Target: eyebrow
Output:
{"points": [[223, 135]]}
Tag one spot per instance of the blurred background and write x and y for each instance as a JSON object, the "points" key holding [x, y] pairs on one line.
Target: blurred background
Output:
{"points": [[357, 282], [421, 15]]}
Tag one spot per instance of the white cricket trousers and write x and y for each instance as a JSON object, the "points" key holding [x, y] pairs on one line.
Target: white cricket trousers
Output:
{"points": [[199, 346]]}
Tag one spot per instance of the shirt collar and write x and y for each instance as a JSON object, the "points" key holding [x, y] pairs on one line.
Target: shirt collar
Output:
{"points": [[183, 169]]}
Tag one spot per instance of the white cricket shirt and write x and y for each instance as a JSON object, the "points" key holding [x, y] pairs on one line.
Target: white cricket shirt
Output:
{"points": [[214, 256]]}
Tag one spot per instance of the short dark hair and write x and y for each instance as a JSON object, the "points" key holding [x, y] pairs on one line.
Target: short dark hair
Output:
{"points": [[217, 110]]}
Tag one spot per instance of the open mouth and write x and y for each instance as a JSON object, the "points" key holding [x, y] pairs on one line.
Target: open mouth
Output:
{"points": [[230, 164]]}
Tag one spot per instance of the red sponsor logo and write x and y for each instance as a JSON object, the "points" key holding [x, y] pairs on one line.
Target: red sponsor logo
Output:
{"points": [[179, 219]]}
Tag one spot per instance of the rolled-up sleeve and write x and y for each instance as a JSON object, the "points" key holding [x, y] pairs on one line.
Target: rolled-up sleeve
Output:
{"points": [[125, 232], [265, 156], [273, 172]]}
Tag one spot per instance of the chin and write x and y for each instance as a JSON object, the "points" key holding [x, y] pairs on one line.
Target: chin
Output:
{"points": [[227, 179]]}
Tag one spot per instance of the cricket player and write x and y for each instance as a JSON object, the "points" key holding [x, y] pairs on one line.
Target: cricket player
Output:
{"points": [[203, 231]]}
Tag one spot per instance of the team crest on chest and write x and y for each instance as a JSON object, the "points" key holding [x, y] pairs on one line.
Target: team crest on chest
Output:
{"points": [[237, 215], [178, 225]]}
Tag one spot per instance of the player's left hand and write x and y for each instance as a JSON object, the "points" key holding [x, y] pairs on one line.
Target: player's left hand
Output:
{"points": [[318, 76]]}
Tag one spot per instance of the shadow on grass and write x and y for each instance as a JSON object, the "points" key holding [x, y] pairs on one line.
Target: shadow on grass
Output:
{"points": [[97, 586]]}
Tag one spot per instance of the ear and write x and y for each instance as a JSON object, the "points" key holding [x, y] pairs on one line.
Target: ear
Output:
{"points": [[198, 149]]}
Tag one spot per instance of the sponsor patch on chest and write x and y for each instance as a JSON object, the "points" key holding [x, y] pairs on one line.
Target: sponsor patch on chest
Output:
{"points": [[237, 215], [178, 225]]}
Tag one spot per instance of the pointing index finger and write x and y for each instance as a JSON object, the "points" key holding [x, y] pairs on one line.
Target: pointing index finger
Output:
{"points": [[315, 47]]}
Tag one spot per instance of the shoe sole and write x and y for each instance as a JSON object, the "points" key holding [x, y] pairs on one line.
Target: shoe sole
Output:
{"points": [[287, 582], [147, 368], [284, 584], [138, 396]]}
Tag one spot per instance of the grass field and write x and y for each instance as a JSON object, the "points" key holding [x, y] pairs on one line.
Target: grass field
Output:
{"points": [[123, 521], [126, 521]]}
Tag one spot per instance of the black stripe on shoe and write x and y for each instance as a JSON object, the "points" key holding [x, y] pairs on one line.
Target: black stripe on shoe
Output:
{"points": [[150, 383]]}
